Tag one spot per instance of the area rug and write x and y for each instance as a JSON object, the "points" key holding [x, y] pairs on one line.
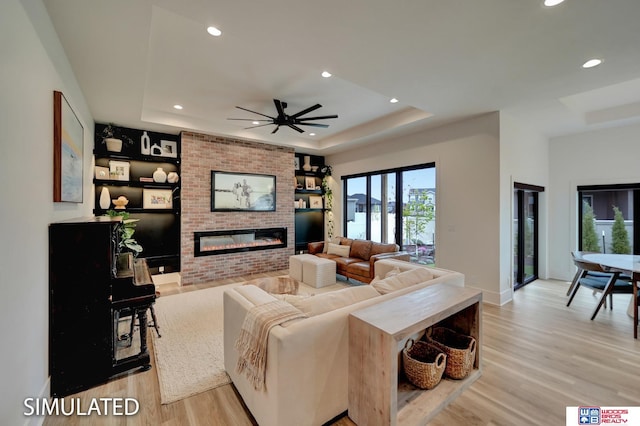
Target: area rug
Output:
{"points": [[189, 355]]}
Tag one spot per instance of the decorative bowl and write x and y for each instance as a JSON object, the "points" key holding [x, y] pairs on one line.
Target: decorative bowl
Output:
{"points": [[120, 203]]}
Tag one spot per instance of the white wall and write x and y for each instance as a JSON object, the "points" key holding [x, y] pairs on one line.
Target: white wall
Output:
{"points": [[467, 159], [607, 156], [33, 66], [524, 158]]}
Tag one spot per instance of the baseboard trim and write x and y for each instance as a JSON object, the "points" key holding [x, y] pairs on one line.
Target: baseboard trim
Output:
{"points": [[44, 394]]}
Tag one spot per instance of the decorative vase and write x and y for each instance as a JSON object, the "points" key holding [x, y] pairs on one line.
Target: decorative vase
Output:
{"points": [[307, 163], [145, 144], [172, 177], [113, 144], [105, 198], [159, 175]]}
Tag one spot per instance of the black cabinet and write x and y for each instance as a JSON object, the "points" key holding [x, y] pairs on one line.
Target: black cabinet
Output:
{"points": [[90, 284], [129, 173], [309, 201]]}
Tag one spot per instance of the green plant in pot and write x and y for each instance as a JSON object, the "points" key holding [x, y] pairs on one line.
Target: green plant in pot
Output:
{"points": [[128, 228], [114, 138]]}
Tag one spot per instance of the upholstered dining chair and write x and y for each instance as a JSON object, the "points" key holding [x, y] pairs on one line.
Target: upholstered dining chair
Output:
{"points": [[593, 276]]}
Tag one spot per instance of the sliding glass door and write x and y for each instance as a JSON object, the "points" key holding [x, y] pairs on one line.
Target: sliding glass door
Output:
{"points": [[376, 210], [525, 234]]}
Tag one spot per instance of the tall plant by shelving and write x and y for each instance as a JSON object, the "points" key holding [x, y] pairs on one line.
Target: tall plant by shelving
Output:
{"points": [[328, 197]]}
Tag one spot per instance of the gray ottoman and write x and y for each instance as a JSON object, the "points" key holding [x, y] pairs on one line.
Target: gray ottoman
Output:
{"points": [[295, 265], [318, 272]]}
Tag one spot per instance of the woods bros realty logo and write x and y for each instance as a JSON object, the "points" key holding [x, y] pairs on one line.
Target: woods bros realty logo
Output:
{"points": [[603, 415]]}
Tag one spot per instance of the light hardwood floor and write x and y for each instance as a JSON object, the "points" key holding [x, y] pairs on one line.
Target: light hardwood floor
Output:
{"points": [[539, 357]]}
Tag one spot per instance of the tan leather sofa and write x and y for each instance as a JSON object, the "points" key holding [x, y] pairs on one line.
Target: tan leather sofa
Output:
{"points": [[359, 264]]}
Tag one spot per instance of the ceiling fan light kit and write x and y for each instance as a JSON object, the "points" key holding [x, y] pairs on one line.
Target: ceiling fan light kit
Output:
{"points": [[293, 121]]}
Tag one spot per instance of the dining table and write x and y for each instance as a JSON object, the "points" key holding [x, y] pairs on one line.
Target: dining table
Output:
{"points": [[626, 263]]}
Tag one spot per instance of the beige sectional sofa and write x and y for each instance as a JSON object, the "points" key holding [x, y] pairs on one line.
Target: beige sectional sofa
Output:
{"points": [[307, 359]]}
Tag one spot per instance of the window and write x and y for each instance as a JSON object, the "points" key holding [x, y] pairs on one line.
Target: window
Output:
{"points": [[607, 217], [376, 211]]}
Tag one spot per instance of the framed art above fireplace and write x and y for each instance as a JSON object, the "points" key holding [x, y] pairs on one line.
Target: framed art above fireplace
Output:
{"points": [[242, 192]]}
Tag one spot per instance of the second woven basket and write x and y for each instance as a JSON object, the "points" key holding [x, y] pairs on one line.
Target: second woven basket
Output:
{"points": [[460, 350]]}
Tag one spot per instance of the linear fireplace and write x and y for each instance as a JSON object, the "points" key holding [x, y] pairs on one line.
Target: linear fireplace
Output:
{"points": [[209, 243]]}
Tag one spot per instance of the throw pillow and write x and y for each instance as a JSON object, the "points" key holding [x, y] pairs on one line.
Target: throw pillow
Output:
{"points": [[339, 250], [403, 280], [326, 302], [334, 240], [391, 273]]}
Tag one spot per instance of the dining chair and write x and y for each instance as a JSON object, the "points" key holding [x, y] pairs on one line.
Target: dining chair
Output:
{"points": [[593, 276]]}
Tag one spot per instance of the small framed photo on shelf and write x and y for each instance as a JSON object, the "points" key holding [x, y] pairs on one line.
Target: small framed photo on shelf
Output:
{"points": [[315, 202], [102, 173], [119, 170], [157, 199], [169, 149], [310, 182]]}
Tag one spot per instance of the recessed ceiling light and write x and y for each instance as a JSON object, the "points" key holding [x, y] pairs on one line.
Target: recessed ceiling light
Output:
{"points": [[326, 74], [214, 31], [592, 63], [176, 106], [393, 100], [312, 134], [255, 122], [552, 2]]}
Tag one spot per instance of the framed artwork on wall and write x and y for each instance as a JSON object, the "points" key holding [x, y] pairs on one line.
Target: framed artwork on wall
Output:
{"points": [[315, 202], [68, 152], [169, 148], [310, 183], [242, 192], [157, 199], [119, 170]]}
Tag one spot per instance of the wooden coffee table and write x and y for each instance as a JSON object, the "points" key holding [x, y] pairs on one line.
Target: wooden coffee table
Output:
{"points": [[378, 392]]}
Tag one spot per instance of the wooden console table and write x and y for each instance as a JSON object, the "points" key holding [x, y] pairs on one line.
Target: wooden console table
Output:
{"points": [[379, 394]]}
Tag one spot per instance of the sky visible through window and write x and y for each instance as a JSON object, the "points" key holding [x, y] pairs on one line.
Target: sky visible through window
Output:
{"points": [[421, 178]]}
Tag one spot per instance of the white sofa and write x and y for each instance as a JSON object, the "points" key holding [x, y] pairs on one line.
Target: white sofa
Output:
{"points": [[307, 359]]}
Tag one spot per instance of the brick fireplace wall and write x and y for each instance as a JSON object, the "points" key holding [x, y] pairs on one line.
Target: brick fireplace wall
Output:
{"points": [[200, 155]]}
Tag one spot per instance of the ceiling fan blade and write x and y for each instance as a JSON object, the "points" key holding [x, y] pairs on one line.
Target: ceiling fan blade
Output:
{"points": [[279, 107], [259, 125], [313, 124], [322, 117], [255, 112], [306, 111], [250, 119], [294, 127], [276, 129]]}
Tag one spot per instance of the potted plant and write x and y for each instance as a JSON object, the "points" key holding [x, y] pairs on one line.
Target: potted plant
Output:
{"points": [[128, 228], [113, 137]]}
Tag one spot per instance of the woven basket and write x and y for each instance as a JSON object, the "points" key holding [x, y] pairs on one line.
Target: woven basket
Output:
{"points": [[460, 350], [423, 363]]}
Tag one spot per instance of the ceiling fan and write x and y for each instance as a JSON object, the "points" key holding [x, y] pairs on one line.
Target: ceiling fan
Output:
{"points": [[283, 119]]}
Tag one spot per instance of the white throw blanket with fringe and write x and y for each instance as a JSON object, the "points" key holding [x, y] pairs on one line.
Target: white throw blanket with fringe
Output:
{"points": [[254, 335]]}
